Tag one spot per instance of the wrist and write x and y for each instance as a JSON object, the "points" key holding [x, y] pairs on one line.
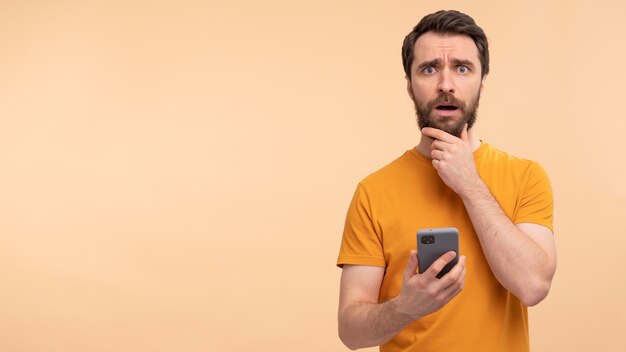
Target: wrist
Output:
{"points": [[473, 189], [400, 309]]}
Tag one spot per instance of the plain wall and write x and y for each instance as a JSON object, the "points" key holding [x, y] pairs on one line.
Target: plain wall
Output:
{"points": [[174, 175]]}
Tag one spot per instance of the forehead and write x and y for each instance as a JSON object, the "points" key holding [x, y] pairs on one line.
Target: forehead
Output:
{"points": [[431, 45]]}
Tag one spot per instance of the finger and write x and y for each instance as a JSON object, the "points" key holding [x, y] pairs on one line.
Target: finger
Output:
{"points": [[454, 289], [453, 275], [437, 154], [411, 266], [434, 133], [438, 264], [455, 279], [438, 134], [439, 145]]}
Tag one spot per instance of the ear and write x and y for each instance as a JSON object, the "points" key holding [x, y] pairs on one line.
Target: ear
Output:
{"points": [[409, 89], [482, 84]]}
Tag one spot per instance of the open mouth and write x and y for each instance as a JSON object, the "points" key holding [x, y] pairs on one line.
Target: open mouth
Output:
{"points": [[446, 107]]}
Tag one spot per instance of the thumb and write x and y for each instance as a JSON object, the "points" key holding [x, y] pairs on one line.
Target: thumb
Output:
{"points": [[411, 266], [464, 136]]}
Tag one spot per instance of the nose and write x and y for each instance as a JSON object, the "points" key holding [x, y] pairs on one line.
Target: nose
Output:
{"points": [[445, 82]]}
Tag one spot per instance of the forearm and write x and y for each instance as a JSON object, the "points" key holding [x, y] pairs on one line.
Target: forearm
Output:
{"points": [[371, 324], [517, 261]]}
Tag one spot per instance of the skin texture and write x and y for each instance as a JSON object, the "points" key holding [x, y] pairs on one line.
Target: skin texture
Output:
{"points": [[445, 65], [522, 257], [365, 323]]}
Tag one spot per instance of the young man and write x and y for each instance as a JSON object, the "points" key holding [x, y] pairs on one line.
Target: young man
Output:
{"points": [[501, 205]]}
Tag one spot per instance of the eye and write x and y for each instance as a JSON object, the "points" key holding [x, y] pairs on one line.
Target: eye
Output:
{"points": [[462, 69], [429, 70]]}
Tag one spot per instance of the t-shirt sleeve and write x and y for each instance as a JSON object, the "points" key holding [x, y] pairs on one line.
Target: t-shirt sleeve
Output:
{"points": [[536, 204], [361, 243]]}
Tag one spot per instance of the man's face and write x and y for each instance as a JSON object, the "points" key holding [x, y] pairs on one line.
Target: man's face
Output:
{"points": [[445, 82]]}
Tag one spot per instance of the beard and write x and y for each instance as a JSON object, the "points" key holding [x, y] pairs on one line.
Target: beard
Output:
{"points": [[426, 114]]}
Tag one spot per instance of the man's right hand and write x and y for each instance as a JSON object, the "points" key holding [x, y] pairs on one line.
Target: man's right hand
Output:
{"points": [[363, 322], [423, 294]]}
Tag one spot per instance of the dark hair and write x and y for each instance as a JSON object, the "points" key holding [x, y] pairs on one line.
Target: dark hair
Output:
{"points": [[446, 22]]}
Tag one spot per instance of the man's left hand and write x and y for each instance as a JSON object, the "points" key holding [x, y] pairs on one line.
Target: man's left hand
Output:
{"points": [[453, 159]]}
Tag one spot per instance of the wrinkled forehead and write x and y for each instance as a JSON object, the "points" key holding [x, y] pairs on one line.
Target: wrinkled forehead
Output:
{"points": [[445, 46]]}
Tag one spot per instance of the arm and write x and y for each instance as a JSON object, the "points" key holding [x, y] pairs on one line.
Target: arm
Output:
{"points": [[363, 322], [522, 257]]}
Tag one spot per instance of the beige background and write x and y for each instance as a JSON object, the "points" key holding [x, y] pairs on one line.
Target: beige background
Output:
{"points": [[175, 174]]}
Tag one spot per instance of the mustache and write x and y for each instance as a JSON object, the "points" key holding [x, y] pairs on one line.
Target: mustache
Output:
{"points": [[445, 98]]}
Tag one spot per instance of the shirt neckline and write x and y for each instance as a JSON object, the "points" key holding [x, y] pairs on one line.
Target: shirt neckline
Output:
{"points": [[482, 148]]}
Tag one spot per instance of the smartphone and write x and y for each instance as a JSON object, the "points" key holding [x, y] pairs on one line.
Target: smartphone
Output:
{"points": [[433, 243]]}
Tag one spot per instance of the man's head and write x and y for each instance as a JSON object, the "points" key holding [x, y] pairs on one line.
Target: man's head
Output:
{"points": [[446, 58]]}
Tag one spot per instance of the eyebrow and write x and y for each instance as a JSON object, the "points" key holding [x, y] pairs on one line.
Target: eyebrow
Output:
{"points": [[437, 62], [423, 65], [463, 62]]}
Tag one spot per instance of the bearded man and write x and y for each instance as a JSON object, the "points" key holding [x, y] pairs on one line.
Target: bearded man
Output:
{"points": [[501, 205]]}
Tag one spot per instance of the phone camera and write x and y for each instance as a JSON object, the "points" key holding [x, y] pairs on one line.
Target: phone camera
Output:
{"points": [[428, 239]]}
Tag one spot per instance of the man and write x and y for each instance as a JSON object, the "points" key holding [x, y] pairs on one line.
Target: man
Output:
{"points": [[501, 205]]}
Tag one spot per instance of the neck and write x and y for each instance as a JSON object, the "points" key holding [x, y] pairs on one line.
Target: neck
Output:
{"points": [[424, 145]]}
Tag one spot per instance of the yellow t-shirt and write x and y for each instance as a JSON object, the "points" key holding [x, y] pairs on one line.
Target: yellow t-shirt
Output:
{"points": [[392, 204]]}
